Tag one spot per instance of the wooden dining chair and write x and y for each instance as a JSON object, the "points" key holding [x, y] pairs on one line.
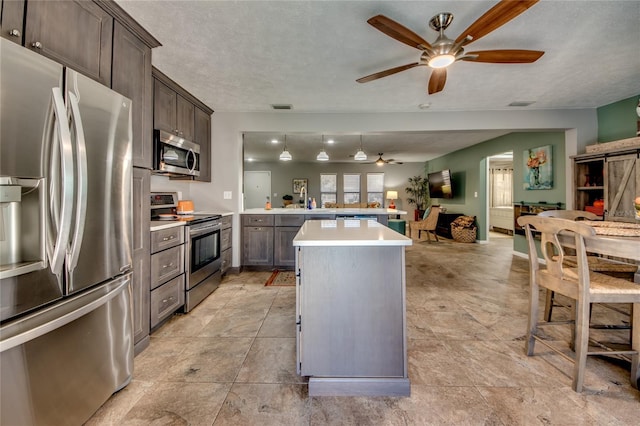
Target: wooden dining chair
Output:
{"points": [[428, 224], [596, 263], [579, 284]]}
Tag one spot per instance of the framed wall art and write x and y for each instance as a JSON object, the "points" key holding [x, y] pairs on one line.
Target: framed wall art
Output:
{"points": [[538, 168], [298, 184]]}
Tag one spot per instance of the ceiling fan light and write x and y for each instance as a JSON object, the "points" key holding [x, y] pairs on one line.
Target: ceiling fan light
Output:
{"points": [[322, 156], [441, 61], [285, 155], [360, 156], [380, 162]]}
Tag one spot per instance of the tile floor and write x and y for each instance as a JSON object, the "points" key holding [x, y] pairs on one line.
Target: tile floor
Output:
{"points": [[231, 361]]}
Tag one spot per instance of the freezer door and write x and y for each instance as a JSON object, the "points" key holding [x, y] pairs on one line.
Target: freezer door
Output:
{"points": [[100, 121]]}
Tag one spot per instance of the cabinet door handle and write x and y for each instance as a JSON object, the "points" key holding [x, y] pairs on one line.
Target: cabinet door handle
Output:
{"points": [[14, 33], [36, 45], [167, 266], [169, 299], [168, 238]]}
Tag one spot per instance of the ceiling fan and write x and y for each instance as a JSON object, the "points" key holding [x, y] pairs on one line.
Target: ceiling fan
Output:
{"points": [[444, 51], [381, 161]]}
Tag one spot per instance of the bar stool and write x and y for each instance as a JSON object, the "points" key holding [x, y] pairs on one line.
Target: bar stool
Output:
{"points": [[581, 285], [398, 225]]}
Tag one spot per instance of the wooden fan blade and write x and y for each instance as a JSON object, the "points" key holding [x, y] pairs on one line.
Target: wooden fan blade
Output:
{"points": [[437, 80], [398, 31], [504, 56], [385, 73], [496, 17]]}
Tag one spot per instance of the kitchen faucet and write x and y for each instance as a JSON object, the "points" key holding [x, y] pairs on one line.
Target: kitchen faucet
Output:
{"points": [[303, 190]]}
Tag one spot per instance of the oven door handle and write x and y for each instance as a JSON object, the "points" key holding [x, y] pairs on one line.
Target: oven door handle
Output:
{"points": [[204, 231]]}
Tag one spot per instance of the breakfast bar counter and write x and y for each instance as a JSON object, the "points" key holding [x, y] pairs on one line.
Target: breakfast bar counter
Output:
{"points": [[351, 309]]}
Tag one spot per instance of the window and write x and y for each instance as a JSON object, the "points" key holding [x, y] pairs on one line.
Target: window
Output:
{"points": [[351, 188], [500, 187], [375, 188], [328, 189]]}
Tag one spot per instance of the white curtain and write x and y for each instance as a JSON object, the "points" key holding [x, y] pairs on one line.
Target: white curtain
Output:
{"points": [[501, 187]]}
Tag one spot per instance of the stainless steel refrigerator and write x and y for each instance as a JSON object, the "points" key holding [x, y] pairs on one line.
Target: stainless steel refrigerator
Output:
{"points": [[66, 339]]}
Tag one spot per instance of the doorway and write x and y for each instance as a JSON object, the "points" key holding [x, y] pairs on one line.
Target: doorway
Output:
{"points": [[500, 195], [257, 187]]}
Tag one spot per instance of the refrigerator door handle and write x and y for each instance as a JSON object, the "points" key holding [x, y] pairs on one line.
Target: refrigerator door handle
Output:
{"points": [[60, 213], [81, 195]]}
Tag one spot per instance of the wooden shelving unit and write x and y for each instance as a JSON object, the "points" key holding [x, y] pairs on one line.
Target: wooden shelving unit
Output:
{"points": [[609, 172]]}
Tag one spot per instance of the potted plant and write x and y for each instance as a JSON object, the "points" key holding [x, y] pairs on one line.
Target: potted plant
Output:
{"points": [[418, 191]]}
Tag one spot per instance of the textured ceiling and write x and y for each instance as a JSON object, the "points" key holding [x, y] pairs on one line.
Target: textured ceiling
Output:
{"points": [[246, 55]]}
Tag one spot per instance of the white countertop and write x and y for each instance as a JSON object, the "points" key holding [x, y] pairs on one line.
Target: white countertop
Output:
{"points": [[221, 213], [348, 232], [157, 225], [324, 211]]}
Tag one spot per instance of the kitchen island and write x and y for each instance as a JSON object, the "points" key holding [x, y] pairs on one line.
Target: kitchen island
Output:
{"points": [[351, 309], [267, 235]]}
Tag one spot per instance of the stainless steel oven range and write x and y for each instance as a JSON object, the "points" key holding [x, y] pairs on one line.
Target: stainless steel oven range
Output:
{"points": [[202, 258]]}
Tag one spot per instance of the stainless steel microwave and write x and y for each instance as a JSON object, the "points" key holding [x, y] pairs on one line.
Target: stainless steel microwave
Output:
{"points": [[173, 155]]}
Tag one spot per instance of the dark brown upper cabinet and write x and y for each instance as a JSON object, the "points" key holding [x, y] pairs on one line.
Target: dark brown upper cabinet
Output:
{"points": [[203, 138], [74, 33], [11, 24], [131, 76]]}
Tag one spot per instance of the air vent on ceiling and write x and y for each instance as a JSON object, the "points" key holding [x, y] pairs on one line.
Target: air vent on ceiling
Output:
{"points": [[521, 103], [281, 106]]}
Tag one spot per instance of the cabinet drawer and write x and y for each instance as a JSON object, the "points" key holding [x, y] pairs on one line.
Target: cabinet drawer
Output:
{"points": [[289, 220], [257, 220], [226, 260], [166, 299], [166, 265], [226, 221], [165, 238], [225, 239]]}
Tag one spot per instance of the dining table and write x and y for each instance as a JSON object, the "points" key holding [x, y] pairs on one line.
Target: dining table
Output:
{"points": [[617, 239]]}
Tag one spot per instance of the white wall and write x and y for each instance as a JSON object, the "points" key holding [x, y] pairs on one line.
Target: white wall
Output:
{"points": [[580, 127]]}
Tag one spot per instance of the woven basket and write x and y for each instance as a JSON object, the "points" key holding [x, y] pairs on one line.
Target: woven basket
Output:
{"points": [[463, 235]]}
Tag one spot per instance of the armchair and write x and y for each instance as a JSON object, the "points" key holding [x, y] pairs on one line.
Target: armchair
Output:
{"points": [[428, 224]]}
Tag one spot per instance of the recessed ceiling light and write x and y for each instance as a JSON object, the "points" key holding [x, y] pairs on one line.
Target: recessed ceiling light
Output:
{"points": [[330, 141], [425, 105], [521, 103], [274, 140], [249, 159]]}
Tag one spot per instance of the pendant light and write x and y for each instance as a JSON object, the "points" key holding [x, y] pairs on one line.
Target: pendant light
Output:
{"points": [[322, 156], [285, 155], [360, 155]]}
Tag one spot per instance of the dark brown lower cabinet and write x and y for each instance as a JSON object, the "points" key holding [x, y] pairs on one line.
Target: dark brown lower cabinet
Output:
{"points": [[141, 257]]}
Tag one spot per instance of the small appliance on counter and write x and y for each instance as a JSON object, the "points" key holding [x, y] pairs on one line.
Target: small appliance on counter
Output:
{"points": [[202, 233], [185, 207]]}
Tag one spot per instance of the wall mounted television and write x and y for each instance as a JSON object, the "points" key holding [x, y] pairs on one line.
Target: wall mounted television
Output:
{"points": [[440, 184]]}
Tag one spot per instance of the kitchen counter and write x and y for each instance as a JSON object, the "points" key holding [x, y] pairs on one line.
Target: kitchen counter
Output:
{"points": [[325, 211], [221, 213], [351, 309], [348, 232], [157, 225]]}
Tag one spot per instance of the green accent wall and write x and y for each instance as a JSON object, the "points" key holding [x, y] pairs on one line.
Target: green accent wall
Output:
{"points": [[618, 120], [469, 175]]}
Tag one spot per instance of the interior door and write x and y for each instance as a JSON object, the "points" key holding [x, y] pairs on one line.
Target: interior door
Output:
{"points": [[257, 187]]}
